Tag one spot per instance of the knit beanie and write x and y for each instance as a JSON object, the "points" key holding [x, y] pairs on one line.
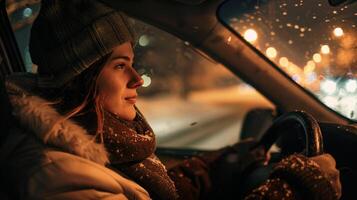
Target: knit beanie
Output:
{"points": [[69, 36]]}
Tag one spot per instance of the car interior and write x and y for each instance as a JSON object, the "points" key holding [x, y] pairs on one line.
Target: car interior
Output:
{"points": [[286, 116]]}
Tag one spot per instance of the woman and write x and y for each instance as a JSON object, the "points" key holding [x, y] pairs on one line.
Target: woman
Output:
{"points": [[80, 136]]}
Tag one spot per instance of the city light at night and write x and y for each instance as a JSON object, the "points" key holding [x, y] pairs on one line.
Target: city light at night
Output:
{"points": [[328, 86], [325, 49], [144, 40], [284, 62], [250, 35], [338, 32], [312, 42], [311, 64], [271, 52], [147, 80], [351, 86], [317, 57], [310, 67]]}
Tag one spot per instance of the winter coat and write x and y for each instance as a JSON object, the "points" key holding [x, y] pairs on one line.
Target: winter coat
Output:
{"points": [[59, 163]]}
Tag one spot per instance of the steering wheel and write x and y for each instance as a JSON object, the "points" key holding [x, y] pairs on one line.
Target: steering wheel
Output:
{"points": [[309, 128], [309, 125]]}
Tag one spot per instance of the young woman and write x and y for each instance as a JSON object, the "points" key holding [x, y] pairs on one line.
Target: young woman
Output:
{"points": [[79, 134]]}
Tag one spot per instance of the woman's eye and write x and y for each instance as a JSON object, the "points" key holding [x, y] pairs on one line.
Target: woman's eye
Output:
{"points": [[120, 66]]}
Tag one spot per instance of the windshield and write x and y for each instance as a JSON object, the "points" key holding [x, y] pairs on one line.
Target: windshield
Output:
{"points": [[313, 42]]}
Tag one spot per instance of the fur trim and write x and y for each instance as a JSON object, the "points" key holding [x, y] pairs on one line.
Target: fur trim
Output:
{"points": [[49, 126]]}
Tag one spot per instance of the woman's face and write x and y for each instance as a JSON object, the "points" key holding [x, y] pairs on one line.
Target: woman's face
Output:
{"points": [[118, 81]]}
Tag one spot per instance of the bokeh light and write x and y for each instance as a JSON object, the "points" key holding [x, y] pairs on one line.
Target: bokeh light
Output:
{"points": [[144, 40], [147, 80], [338, 32], [250, 35], [271, 52], [351, 86], [283, 61], [317, 57], [27, 12], [325, 49], [328, 86]]}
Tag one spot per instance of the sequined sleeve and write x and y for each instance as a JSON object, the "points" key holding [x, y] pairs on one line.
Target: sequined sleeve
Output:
{"points": [[274, 188], [294, 178]]}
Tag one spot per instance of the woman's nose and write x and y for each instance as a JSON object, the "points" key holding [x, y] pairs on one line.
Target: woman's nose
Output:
{"points": [[135, 79]]}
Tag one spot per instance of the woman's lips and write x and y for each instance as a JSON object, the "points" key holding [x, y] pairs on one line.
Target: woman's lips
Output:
{"points": [[131, 100]]}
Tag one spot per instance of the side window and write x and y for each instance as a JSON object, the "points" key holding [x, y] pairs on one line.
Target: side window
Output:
{"points": [[190, 100], [21, 15]]}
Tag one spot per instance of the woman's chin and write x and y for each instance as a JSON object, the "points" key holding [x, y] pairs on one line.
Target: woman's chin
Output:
{"points": [[128, 114]]}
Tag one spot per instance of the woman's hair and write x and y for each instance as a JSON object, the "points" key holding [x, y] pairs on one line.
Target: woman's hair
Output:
{"points": [[79, 99]]}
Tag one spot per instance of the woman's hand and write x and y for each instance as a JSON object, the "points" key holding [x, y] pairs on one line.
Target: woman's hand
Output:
{"points": [[328, 165]]}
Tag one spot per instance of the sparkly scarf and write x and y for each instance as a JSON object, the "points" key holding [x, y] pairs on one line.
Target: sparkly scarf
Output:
{"points": [[131, 145]]}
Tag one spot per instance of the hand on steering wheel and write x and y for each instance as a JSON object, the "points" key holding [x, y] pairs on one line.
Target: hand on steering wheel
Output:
{"points": [[256, 174], [313, 146]]}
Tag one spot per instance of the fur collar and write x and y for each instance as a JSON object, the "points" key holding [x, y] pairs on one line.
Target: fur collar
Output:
{"points": [[37, 114]]}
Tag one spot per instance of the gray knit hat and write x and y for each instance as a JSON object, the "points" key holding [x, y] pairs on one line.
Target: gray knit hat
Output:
{"points": [[68, 36]]}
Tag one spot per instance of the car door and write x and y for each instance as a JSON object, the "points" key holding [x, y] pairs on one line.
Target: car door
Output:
{"points": [[10, 61]]}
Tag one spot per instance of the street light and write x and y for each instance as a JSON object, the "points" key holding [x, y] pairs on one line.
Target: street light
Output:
{"points": [[338, 32], [325, 49], [147, 80], [250, 35], [317, 57], [271, 52], [283, 61]]}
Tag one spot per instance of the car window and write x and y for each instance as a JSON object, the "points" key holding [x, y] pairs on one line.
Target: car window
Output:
{"points": [[189, 100], [21, 15], [313, 42]]}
